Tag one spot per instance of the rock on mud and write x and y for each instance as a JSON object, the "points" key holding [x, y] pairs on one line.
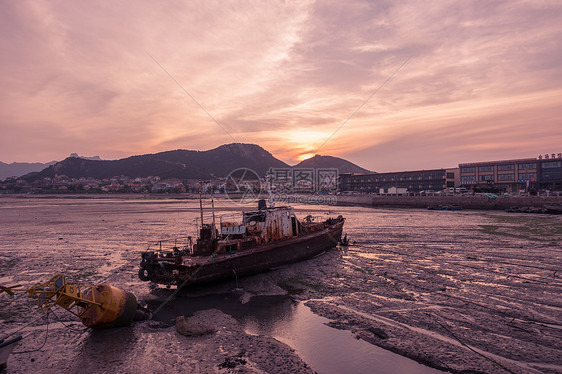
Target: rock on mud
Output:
{"points": [[192, 329]]}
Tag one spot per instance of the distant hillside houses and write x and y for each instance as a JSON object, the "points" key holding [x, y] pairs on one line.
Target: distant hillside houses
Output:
{"points": [[169, 185], [62, 183]]}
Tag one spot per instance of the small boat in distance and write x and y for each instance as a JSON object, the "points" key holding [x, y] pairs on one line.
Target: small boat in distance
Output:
{"points": [[249, 243]]}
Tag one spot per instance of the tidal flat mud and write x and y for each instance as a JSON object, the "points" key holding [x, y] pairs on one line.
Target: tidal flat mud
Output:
{"points": [[445, 290], [458, 291]]}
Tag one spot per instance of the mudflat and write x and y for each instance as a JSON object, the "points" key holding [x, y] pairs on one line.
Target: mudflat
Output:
{"points": [[455, 290]]}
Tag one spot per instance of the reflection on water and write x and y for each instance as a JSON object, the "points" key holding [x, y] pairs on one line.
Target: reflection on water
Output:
{"points": [[325, 349], [328, 350]]}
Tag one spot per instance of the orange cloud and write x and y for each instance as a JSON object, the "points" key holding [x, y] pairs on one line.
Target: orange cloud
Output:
{"points": [[78, 77]]}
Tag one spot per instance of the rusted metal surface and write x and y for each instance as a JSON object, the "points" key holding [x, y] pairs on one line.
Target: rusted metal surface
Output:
{"points": [[117, 308]]}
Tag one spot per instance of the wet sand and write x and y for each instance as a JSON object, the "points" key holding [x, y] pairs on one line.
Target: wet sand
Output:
{"points": [[458, 291]]}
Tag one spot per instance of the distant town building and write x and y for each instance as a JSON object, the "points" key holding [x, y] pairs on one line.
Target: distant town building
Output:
{"points": [[168, 185]]}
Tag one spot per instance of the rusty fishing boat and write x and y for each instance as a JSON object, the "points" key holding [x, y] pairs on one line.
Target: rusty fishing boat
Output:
{"points": [[243, 244]]}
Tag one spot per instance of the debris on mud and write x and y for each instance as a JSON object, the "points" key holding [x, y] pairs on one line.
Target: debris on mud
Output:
{"points": [[380, 333]]}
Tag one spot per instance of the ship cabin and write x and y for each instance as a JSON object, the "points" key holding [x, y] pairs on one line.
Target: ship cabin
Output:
{"points": [[236, 233]]}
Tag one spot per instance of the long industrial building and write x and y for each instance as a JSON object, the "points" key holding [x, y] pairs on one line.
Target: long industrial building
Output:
{"points": [[411, 181]]}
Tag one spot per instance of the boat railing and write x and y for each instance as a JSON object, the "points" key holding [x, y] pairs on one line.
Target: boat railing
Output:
{"points": [[231, 219], [166, 245], [207, 218]]}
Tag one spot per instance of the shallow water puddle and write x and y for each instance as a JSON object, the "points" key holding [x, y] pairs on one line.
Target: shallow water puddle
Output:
{"points": [[325, 349], [329, 350]]}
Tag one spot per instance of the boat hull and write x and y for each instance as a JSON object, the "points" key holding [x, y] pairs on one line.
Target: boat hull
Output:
{"points": [[251, 261]]}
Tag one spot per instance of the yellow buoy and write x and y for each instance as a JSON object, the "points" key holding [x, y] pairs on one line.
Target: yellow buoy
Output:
{"points": [[97, 307], [117, 307]]}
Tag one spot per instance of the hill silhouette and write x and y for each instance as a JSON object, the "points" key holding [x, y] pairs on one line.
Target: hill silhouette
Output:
{"points": [[183, 164], [186, 164]]}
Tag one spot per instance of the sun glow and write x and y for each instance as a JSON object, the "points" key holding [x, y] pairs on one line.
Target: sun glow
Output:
{"points": [[305, 156], [305, 138], [301, 143]]}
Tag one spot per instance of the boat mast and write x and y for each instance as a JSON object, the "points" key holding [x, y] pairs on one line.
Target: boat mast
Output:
{"points": [[201, 201], [270, 198], [214, 233]]}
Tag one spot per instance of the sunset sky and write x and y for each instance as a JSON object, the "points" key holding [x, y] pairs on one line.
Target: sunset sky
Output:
{"points": [[448, 82]]}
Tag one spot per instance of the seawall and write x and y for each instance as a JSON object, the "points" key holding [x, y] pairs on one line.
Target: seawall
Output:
{"points": [[465, 201]]}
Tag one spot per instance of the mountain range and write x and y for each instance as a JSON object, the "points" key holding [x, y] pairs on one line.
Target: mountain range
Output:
{"points": [[186, 164], [17, 169]]}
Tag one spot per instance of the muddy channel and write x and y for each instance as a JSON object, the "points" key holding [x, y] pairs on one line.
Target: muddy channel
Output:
{"points": [[417, 292]]}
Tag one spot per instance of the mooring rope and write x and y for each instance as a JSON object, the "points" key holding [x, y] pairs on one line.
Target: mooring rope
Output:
{"points": [[44, 342]]}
